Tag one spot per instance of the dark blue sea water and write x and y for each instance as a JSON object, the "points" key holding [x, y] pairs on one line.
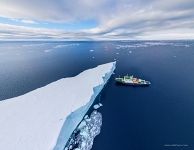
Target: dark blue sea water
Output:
{"points": [[159, 117]]}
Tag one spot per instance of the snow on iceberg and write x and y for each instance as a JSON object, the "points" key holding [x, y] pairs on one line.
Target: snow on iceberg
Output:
{"points": [[45, 118]]}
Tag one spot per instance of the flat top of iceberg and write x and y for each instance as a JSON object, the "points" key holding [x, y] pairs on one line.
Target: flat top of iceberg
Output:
{"points": [[33, 121]]}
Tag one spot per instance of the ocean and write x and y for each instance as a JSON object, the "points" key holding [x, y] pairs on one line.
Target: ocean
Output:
{"points": [[158, 117]]}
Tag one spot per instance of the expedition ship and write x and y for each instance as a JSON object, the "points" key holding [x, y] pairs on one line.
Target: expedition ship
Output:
{"points": [[130, 80]]}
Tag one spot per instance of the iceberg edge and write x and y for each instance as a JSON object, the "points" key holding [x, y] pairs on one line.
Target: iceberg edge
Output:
{"points": [[71, 124]]}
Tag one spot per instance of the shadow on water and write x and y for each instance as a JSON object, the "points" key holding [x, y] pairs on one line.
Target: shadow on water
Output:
{"points": [[134, 86]]}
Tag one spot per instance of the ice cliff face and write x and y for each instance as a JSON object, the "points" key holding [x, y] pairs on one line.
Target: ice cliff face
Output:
{"points": [[75, 117], [45, 118]]}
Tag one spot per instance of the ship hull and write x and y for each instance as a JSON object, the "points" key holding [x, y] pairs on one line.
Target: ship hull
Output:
{"points": [[131, 84]]}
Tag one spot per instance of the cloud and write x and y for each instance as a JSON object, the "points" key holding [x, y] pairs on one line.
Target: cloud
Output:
{"points": [[28, 21], [123, 19], [54, 11], [14, 32]]}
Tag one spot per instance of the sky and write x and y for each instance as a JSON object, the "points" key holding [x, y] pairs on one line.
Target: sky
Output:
{"points": [[96, 19]]}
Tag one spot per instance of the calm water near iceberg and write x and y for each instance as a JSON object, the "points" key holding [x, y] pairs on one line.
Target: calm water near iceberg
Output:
{"points": [[158, 117]]}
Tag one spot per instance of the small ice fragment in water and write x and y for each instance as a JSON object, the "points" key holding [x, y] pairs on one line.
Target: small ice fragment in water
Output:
{"points": [[130, 52], [84, 135], [117, 53], [97, 106], [91, 50], [86, 116], [82, 124], [47, 50]]}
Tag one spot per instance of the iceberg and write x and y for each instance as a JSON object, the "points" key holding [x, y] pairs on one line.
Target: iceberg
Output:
{"points": [[45, 118]]}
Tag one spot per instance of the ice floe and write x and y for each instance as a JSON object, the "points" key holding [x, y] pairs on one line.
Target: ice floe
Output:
{"points": [[151, 43], [83, 136], [66, 45], [96, 106]]}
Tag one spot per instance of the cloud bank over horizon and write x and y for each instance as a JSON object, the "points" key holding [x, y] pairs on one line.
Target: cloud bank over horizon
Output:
{"points": [[97, 20]]}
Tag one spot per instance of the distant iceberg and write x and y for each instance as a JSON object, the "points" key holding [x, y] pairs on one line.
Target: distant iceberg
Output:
{"points": [[45, 118]]}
